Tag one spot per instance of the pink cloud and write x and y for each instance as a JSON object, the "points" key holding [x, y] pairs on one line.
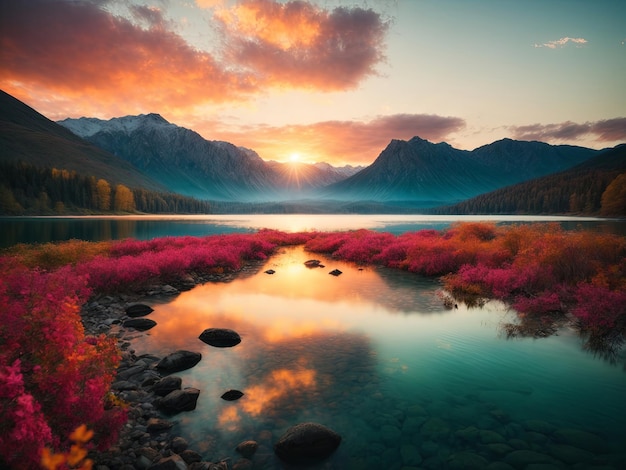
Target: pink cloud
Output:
{"points": [[339, 142], [608, 130]]}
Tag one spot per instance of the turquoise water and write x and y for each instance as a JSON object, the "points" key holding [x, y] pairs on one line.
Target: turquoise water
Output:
{"points": [[374, 355]]}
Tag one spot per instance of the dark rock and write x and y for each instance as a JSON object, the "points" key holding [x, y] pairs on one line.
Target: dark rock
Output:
{"points": [[155, 425], [523, 458], [190, 456], [581, 439], [138, 310], [178, 445], [243, 464], [270, 271], [312, 263], [141, 324], [179, 400], [123, 385], [467, 461], [151, 454], [166, 385], [335, 272], [126, 374], [307, 442], [232, 395], [247, 448], [220, 337], [173, 462], [179, 360]]}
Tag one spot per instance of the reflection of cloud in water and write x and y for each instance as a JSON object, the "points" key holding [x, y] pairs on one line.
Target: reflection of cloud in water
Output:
{"points": [[267, 397]]}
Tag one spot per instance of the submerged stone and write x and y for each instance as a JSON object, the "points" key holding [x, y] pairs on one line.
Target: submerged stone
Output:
{"points": [[179, 360], [232, 395], [335, 272], [522, 458], [247, 448], [581, 439], [179, 400], [312, 263], [220, 337], [467, 461], [167, 385], [306, 443]]}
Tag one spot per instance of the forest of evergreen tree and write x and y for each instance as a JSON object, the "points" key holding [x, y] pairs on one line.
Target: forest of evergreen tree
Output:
{"points": [[583, 193], [28, 190]]}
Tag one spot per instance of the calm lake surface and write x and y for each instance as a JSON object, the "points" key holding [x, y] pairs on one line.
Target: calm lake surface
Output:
{"points": [[374, 355], [46, 229]]}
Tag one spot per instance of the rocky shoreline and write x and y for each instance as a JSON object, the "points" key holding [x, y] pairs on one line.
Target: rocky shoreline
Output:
{"points": [[146, 440]]}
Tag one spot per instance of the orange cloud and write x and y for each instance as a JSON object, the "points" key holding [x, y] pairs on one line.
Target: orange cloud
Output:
{"points": [[298, 45], [339, 142], [83, 53], [76, 58]]}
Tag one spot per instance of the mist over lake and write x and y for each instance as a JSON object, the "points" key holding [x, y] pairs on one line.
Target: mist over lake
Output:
{"points": [[98, 228]]}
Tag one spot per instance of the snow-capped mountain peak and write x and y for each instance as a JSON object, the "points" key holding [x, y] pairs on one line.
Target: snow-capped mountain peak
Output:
{"points": [[86, 127]]}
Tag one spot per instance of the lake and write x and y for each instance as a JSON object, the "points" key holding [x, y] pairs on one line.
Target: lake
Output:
{"points": [[374, 355], [46, 229]]}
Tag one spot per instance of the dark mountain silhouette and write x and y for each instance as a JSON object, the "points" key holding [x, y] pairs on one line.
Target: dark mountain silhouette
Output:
{"points": [[576, 190], [186, 163], [435, 174], [29, 137]]}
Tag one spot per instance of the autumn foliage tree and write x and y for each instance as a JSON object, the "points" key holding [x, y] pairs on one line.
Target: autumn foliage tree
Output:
{"points": [[123, 201], [614, 197]]}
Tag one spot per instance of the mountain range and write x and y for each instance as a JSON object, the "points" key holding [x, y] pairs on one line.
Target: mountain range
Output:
{"points": [[186, 163], [147, 151]]}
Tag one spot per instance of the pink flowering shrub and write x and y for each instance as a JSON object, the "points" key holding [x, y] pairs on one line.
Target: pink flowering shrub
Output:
{"points": [[363, 246], [545, 302], [52, 377], [599, 307]]}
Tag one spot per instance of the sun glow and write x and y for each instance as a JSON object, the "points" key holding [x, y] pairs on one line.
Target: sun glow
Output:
{"points": [[294, 157]]}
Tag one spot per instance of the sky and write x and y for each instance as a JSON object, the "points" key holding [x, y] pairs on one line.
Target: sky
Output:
{"points": [[328, 80]]}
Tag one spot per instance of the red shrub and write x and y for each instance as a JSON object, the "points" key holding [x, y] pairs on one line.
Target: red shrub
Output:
{"points": [[598, 307], [52, 377]]}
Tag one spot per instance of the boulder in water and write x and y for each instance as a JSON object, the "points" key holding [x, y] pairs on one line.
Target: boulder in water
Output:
{"points": [[220, 337], [307, 442]]}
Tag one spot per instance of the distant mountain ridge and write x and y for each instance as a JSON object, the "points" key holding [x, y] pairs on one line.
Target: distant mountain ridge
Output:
{"points": [[418, 171], [436, 174], [186, 163]]}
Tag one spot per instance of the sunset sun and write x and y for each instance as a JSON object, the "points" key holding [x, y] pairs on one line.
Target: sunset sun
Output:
{"points": [[294, 157]]}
